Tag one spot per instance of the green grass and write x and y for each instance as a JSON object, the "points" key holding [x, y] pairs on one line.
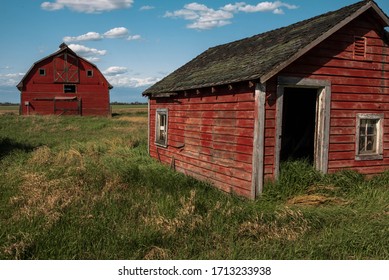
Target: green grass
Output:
{"points": [[116, 109], [9, 107], [85, 188]]}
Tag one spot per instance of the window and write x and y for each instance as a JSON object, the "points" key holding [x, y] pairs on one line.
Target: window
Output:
{"points": [[89, 73], [369, 136], [42, 72], [161, 127], [359, 47], [69, 88]]}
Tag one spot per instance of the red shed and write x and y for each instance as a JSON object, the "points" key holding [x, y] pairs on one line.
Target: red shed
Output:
{"points": [[317, 89], [64, 83]]}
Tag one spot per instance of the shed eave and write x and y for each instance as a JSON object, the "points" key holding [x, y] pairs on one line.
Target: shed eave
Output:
{"points": [[174, 90], [19, 86], [163, 94]]}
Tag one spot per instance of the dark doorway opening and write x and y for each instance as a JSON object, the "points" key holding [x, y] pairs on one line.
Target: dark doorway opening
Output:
{"points": [[298, 124]]}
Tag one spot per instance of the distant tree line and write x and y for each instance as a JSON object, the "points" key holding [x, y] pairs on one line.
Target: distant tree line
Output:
{"points": [[127, 103], [9, 104]]}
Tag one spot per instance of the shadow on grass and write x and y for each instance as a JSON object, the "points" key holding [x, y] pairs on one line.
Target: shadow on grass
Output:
{"points": [[8, 146]]}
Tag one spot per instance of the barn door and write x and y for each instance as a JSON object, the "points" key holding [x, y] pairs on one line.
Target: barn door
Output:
{"points": [[303, 121], [67, 106], [66, 68]]}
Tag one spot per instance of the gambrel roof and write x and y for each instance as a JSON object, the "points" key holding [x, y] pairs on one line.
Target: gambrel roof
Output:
{"points": [[62, 48], [262, 56]]}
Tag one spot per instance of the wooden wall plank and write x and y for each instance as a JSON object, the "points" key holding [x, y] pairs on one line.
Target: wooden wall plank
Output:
{"points": [[215, 136], [358, 86]]}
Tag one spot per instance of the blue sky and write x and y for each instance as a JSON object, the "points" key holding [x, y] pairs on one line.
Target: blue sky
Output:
{"points": [[135, 43]]}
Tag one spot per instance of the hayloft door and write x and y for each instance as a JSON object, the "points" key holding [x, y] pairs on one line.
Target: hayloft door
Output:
{"points": [[66, 68]]}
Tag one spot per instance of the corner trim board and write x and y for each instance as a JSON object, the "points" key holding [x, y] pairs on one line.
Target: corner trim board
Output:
{"points": [[259, 141]]}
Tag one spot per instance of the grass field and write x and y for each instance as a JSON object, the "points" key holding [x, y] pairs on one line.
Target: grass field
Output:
{"points": [[116, 109], [9, 108], [85, 188]]}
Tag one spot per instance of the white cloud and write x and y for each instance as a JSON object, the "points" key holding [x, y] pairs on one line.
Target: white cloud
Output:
{"points": [[274, 7], [141, 82], [87, 6], [48, 6], [92, 59], [10, 79], [134, 37], [131, 82], [115, 70], [118, 77], [89, 54], [80, 49], [114, 33], [90, 36], [203, 17], [197, 7], [278, 11], [233, 7], [117, 32], [146, 8]]}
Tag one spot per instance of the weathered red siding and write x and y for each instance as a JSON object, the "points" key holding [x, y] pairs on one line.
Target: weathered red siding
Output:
{"points": [[216, 130], [40, 91], [358, 86], [211, 134]]}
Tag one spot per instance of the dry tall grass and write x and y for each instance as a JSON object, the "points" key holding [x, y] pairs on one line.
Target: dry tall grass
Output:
{"points": [[84, 188]]}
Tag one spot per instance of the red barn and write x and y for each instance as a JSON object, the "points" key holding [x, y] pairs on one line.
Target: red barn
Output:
{"points": [[64, 84], [317, 89]]}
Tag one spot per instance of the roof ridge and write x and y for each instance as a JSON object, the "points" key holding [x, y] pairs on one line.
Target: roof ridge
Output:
{"points": [[63, 48], [302, 22], [259, 56]]}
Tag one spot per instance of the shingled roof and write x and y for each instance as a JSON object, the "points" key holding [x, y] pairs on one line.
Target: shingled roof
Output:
{"points": [[262, 56]]}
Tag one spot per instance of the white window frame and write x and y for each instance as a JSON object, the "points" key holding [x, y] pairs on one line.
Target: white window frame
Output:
{"points": [[91, 73], [159, 127], [370, 155]]}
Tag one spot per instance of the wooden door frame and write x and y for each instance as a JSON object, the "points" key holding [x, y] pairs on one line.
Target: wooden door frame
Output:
{"points": [[322, 127]]}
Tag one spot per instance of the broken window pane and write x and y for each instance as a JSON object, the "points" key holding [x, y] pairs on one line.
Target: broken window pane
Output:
{"points": [[368, 135], [161, 127]]}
